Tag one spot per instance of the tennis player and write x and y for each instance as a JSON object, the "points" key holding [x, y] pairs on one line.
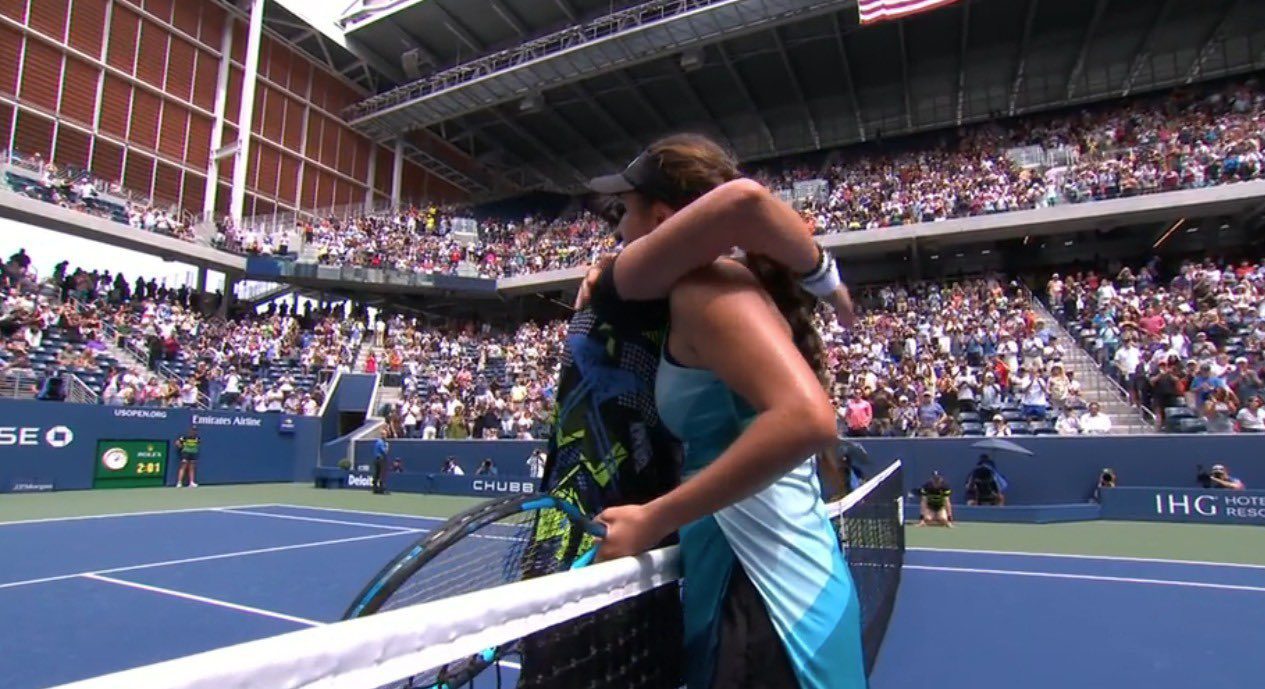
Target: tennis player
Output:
{"points": [[608, 446], [768, 600], [189, 446]]}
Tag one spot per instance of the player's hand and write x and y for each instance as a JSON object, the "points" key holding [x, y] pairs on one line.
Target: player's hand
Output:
{"points": [[630, 530], [841, 300], [590, 280]]}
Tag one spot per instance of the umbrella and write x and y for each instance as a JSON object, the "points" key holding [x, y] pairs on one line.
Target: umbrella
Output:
{"points": [[1000, 445]]}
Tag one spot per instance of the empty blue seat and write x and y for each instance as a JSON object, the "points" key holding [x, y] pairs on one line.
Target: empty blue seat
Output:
{"points": [[1174, 413], [1189, 425]]}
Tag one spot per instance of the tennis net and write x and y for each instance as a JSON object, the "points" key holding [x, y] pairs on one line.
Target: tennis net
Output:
{"points": [[602, 616]]}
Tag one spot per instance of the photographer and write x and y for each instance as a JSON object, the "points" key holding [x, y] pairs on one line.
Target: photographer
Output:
{"points": [[1107, 479], [1218, 478], [985, 485]]}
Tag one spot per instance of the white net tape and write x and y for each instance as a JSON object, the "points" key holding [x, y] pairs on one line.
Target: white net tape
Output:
{"points": [[377, 650]]}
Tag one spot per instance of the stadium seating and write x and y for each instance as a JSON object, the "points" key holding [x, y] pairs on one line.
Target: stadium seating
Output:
{"points": [[152, 347], [1205, 323], [1181, 140]]}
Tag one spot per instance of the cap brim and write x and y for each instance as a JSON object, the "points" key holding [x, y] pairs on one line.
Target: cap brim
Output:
{"points": [[611, 184]]}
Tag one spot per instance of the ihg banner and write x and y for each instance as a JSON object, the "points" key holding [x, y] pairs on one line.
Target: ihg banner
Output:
{"points": [[1185, 505]]}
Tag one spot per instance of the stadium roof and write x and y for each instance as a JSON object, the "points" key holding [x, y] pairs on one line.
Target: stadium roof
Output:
{"points": [[555, 91]]}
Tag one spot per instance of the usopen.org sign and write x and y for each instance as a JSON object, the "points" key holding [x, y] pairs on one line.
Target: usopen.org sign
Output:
{"points": [[1182, 505]]}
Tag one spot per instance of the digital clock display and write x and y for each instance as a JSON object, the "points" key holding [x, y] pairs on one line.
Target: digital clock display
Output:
{"points": [[131, 463]]}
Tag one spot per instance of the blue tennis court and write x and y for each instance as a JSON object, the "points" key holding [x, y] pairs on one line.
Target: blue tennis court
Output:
{"points": [[85, 596]]}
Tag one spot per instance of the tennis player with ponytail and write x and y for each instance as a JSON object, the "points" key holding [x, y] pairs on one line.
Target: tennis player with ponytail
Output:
{"points": [[768, 601]]}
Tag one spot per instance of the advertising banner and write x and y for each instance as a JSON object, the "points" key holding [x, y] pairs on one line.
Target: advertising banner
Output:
{"points": [[443, 484], [130, 463], [1185, 505]]}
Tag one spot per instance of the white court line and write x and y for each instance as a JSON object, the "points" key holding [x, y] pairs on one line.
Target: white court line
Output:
{"points": [[130, 514], [1092, 577], [1110, 558], [203, 599], [319, 520], [207, 558], [369, 512], [406, 516]]}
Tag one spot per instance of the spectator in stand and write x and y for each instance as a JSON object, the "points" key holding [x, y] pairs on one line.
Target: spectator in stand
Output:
{"points": [[931, 417], [1251, 418], [1068, 423], [998, 428], [857, 415], [1219, 411], [1094, 422], [1166, 389]]}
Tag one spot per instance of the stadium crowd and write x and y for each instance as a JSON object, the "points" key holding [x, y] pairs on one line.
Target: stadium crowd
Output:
{"points": [[1180, 140], [80, 190], [1189, 348], [970, 358], [421, 239], [929, 359], [257, 362], [470, 381], [1185, 139]]}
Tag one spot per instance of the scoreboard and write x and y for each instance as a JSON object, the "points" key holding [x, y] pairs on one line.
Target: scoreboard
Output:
{"points": [[130, 464]]}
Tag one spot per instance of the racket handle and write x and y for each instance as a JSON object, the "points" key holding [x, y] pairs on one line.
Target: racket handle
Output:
{"points": [[573, 513], [586, 559]]}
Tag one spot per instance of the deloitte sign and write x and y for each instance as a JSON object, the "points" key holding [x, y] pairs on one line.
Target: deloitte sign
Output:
{"points": [[359, 481]]}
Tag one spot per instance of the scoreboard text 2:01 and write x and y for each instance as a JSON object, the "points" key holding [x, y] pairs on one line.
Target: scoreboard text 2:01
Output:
{"points": [[130, 463]]}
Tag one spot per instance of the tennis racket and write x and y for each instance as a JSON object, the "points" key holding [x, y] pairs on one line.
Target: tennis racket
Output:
{"points": [[495, 543]]}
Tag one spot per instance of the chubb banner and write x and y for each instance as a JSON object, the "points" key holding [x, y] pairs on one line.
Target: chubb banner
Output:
{"points": [[443, 484], [1185, 505]]}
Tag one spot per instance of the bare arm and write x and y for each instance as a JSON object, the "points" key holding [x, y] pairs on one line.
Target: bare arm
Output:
{"points": [[739, 336], [834, 482], [740, 213]]}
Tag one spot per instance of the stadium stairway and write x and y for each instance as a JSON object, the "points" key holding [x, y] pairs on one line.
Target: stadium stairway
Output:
{"points": [[1095, 385], [126, 356], [386, 395], [366, 347]]}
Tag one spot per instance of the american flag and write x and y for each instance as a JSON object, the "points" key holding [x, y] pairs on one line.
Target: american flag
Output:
{"points": [[878, 10]]}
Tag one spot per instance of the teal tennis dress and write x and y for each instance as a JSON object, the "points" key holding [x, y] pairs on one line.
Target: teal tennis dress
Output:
{"points": [[780, 536]]}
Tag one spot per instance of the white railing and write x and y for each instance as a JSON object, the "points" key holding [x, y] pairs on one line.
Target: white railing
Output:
{"points": [[18, 385], [78, 391]]}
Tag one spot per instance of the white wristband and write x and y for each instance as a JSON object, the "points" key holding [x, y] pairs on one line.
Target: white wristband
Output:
{"points": [[822, 283]]}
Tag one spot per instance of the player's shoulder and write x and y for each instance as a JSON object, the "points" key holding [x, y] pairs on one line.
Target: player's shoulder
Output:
{"points": [[723, 276]]}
